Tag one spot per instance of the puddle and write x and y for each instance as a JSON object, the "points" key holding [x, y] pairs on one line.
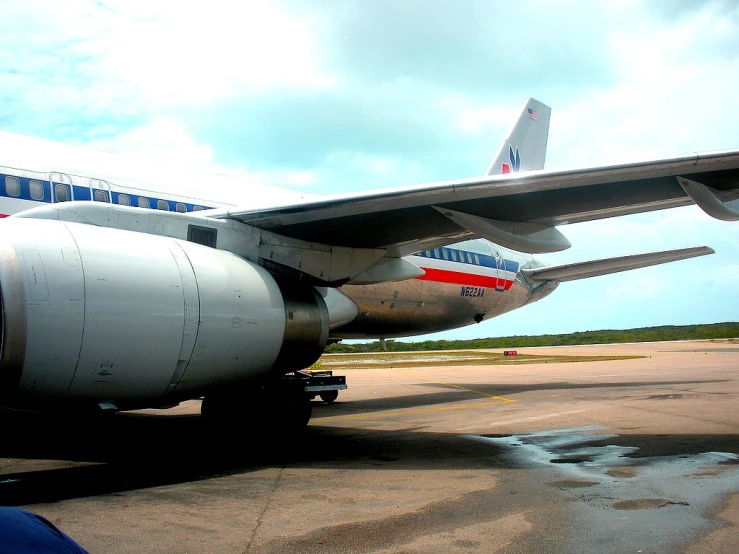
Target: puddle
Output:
{"points": [[664, 502]]}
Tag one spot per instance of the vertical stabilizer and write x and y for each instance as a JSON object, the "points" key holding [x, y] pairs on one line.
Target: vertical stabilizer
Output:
{"points": [[525, 147]]}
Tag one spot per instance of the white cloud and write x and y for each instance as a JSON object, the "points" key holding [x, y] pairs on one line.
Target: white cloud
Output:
{"points": [[726, 280], [381, 101], [675, 93], [192, 53], [638, 287], [139, 56], [162, 140]]}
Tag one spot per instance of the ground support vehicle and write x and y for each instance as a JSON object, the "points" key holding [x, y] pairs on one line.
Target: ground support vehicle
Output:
{"points": [[324, 384]]}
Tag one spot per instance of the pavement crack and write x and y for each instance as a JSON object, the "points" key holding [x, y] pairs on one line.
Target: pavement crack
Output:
{"points": [[265, 508]]}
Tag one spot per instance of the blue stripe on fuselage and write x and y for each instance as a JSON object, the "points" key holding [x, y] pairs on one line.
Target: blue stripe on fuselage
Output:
{"points": [[81, 193], [470, 258]]}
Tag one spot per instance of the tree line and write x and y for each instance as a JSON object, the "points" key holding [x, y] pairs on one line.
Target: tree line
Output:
{"points": [[645, 334]]}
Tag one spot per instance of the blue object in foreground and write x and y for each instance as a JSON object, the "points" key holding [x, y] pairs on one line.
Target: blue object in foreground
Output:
{"points": [[23, 532]]}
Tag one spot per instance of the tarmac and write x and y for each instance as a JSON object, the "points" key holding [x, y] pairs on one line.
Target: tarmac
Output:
{"points": [[638, 455]]}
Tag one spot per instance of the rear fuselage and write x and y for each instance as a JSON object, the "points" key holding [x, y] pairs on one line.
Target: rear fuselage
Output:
{"points": [[465, 283]]}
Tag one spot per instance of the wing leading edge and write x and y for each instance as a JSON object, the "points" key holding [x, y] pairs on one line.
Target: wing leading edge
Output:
{"points": [[533, 202]]}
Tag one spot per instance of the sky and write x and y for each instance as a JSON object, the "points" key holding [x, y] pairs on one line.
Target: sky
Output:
{"points": [[337, 96]]}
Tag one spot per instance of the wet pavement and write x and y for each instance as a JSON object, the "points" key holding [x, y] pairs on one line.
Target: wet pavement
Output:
{"points": [[621, 456]]}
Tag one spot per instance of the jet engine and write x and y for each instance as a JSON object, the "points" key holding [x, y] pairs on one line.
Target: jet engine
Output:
{"points": [[108, 316]]}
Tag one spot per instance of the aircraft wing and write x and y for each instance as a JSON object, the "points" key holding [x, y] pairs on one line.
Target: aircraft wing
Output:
{"points": [[517, 210], [605, 266]]}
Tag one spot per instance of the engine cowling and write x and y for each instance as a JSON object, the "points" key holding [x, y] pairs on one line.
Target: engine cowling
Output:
{"points": [[104, 315]]}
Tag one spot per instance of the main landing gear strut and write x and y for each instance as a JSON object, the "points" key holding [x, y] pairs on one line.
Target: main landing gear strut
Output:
{"points": [[280, 404]]}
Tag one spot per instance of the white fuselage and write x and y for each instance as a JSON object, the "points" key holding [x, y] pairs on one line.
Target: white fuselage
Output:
{"points": [[463, 283]]}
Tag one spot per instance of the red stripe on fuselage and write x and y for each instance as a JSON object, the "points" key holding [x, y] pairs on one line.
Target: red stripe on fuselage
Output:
{"points": [[3, 215], [459, 278]]}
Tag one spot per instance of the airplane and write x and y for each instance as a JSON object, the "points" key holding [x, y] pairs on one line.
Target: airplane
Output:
{"points": [[118, 294]]}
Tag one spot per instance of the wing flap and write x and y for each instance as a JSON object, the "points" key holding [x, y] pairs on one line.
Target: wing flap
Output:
{"points": [[708, 200], [532, 238], [605, 266]]}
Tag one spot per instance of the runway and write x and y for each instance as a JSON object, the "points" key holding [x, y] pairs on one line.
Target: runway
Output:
{"points": [[612, 456]]}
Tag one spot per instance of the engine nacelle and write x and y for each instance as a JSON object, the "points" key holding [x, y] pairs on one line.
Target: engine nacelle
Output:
{"points": [[91, 314]]}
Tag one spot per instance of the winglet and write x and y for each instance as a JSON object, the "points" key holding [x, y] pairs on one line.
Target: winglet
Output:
{"points": [[525, 147]]}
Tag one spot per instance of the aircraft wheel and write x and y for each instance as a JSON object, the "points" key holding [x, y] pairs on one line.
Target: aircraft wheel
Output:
{"points": [[293, 413]]}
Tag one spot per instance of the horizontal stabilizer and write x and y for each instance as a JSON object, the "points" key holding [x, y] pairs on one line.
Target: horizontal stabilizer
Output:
{"points": [[594, 268]]}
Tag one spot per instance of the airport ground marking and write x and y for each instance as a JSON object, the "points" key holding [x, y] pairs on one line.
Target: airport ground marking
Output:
{"points": [[495, 399], [411, 411], [498, 398]]}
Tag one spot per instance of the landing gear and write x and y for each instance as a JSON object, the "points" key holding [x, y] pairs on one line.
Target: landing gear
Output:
{"points": [[279, 405]]}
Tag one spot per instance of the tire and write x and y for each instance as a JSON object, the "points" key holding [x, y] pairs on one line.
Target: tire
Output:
{"points": [[329, 396]]}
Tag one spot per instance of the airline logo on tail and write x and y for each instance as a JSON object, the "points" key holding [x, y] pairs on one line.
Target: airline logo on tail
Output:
{"points": [[515, 164]]}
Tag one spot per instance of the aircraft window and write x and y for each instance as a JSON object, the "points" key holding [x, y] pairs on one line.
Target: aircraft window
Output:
{"points": [[197, 208], [463, 256], [61, 192], [162, 205], [477, 259], [446, 253], [100, 196], [124, 200], [143, 202], [454, 255], [12, 186], [180, 207], [36, 188]]}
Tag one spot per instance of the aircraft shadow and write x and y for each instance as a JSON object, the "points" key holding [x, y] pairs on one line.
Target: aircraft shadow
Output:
{"points": [[462, 391], [153, 451], [51, 458], [131, 452]]}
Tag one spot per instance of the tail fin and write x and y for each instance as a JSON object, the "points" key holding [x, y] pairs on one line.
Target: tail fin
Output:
{"points": [[525, 148]]}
